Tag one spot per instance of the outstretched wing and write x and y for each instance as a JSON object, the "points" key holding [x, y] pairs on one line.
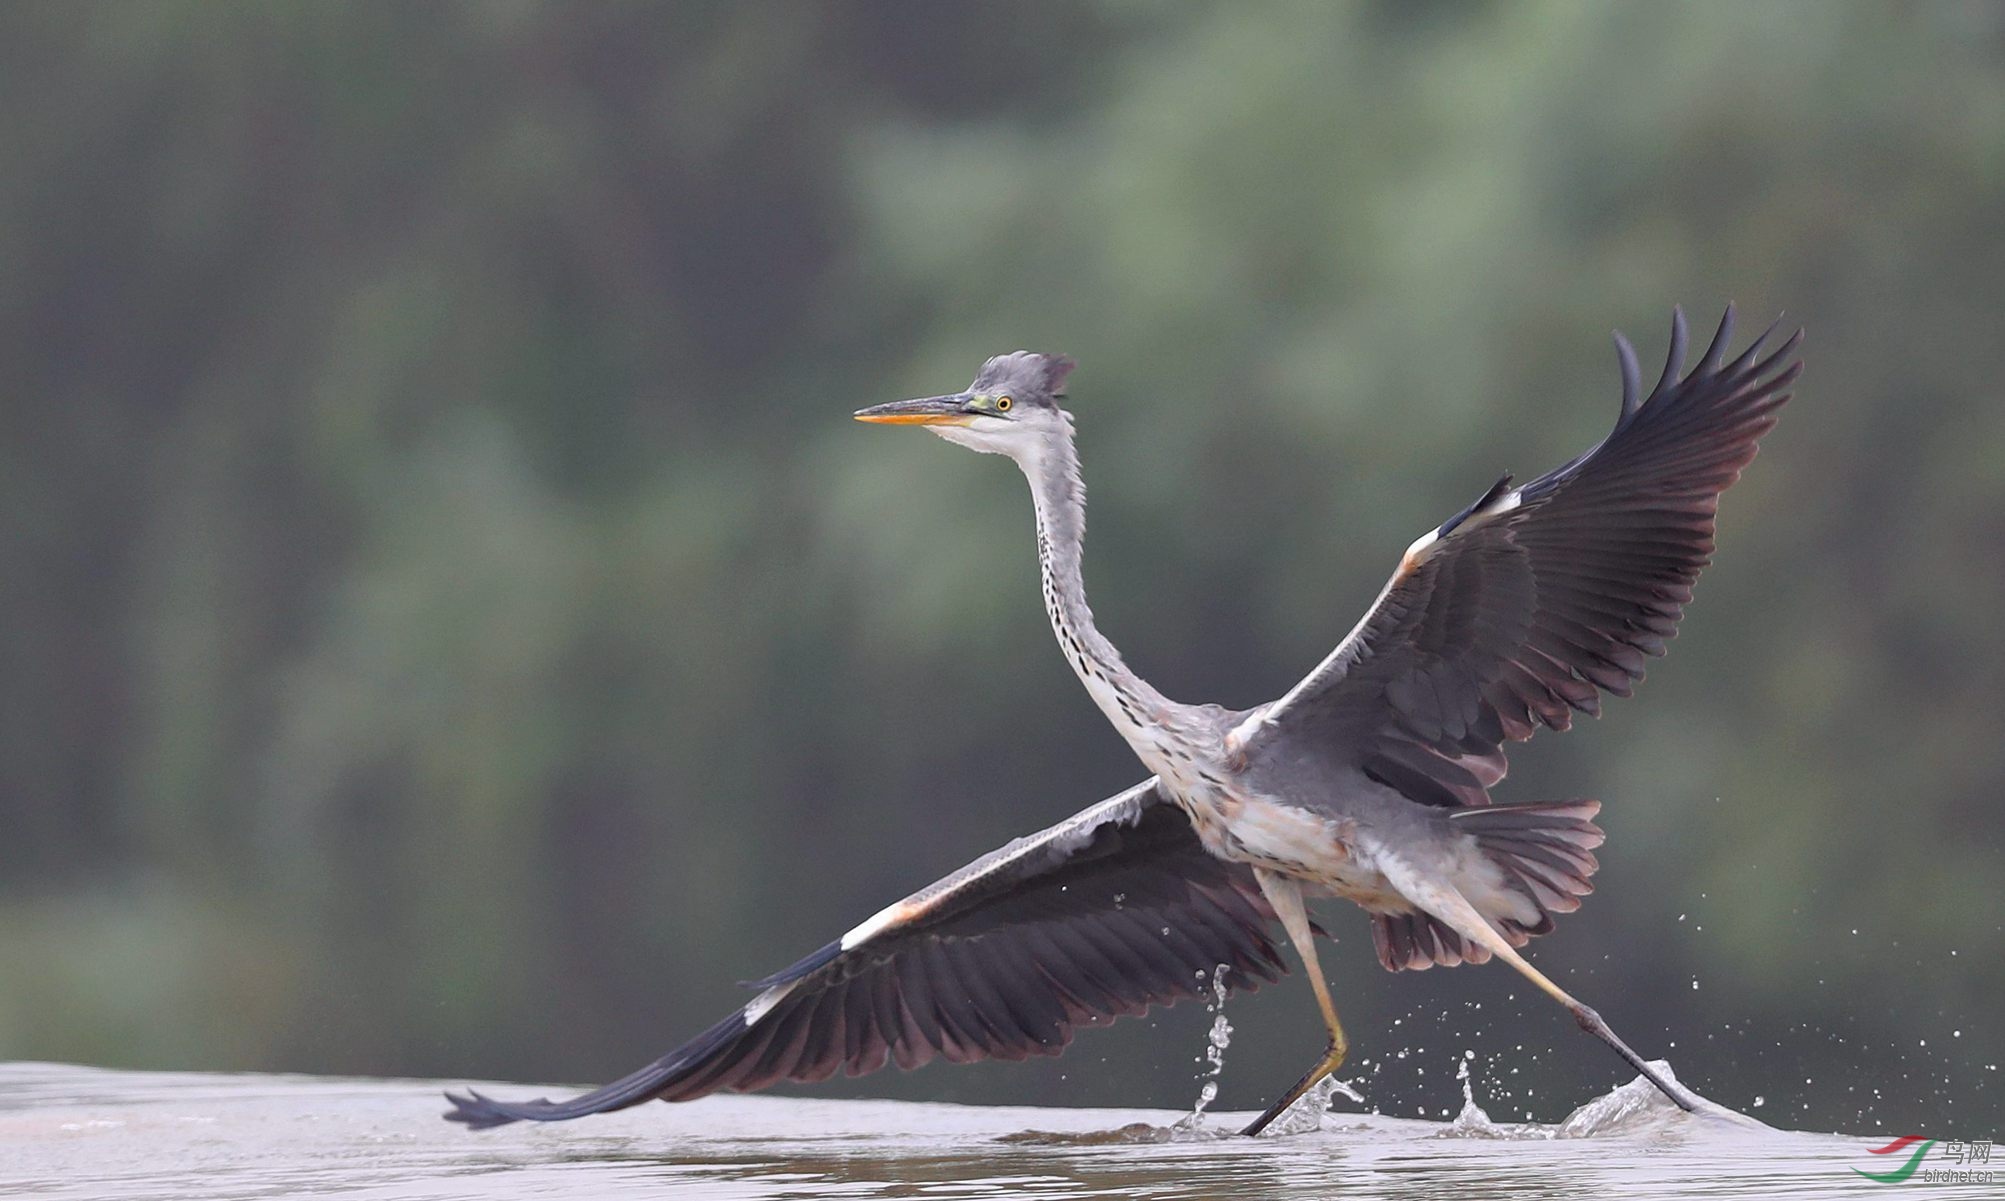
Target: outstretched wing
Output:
{"points": [[1526, 606], [1106, 913]]}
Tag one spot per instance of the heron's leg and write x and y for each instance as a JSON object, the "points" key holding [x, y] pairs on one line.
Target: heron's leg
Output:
{"points": [[1286, 897], [1455, 910]]}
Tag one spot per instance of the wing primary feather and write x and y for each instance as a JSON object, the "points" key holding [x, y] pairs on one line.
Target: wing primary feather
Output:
{"points": [[1632, 375], [860, 1037], [1123, 996], [1032, 994], [910, 1049], [1782, 352], [482, 1113], [1073, 979], [1674, 359], [783, 1050], [1717, 351], [995, 1024], [1139, 977], [917, 992], [963, 1031], [1747, 356]]}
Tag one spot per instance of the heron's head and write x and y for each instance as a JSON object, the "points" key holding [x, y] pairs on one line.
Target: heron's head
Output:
{"points": [[1010, 409]]}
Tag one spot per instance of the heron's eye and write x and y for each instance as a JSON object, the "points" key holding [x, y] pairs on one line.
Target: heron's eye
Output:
{"points": [[1004, 404]]}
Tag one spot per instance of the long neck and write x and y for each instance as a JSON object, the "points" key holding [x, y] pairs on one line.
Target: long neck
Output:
{"points": [[1137, 710]]}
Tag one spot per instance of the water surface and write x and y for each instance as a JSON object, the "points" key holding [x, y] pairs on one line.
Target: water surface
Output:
{"points": [[73, 1132]]}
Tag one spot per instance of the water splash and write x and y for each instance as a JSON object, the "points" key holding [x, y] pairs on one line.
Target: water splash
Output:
{"points": [[1632, 1109], [1475, 1122], [1637, 1107], [1219, 1038], [1305, 1116]]}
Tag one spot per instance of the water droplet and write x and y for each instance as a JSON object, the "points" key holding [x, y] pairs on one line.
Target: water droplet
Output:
{"points": [[1217, 1040]]}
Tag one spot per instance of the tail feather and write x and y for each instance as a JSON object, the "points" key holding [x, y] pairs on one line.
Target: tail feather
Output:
{"points": [[1416, 941], [1545, 851]]}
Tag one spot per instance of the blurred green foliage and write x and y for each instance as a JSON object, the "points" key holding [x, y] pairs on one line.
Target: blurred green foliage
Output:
{"points": [[450, 625]]}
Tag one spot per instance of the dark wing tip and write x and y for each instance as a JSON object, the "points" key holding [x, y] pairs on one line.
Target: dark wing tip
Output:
{"points": [[476, 1112], [1716, 353], [1632, 375], [1748, 356], [1713, 362], [485, 1113], [671, 1072], [1674, 359], [1782, 354]]}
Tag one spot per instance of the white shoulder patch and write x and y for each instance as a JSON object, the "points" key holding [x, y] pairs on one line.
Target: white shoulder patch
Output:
{"points": [[877, 923]]}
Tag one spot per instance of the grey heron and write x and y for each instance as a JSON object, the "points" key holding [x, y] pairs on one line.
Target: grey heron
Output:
{"points": [[1369, 779]]}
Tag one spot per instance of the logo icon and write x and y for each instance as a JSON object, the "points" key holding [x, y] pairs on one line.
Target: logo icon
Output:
{"points": [[1905, 1170]]}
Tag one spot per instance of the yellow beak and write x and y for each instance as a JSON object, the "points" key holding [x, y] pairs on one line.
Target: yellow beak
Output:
{"points": [[933, 410]]}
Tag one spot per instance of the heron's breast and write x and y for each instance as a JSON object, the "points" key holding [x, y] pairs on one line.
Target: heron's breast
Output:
{"points": [[1320, 851]]}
